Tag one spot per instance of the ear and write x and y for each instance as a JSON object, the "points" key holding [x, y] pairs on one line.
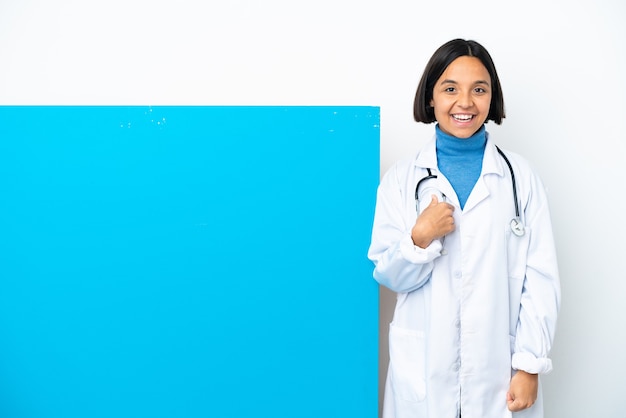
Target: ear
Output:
{"points": [[431, 103]]}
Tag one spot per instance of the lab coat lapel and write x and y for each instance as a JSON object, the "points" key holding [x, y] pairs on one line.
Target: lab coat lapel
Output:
{"points": [[427, 158], [491, 165]]}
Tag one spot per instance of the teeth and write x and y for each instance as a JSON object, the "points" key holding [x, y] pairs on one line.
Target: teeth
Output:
{"points": [[462, 117]]}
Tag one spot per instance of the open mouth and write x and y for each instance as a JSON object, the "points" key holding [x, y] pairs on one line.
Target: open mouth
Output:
{"points": [[463, 118]]}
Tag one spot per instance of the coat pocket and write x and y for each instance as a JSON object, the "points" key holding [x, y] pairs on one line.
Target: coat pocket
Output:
{"points": [[407, 363]]}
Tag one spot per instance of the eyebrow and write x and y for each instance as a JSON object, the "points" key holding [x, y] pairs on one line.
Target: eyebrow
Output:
{"points": [[448, 81]]}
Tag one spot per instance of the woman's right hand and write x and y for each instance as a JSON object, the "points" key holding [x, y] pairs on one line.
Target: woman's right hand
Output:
{"points": [[434, 222]]}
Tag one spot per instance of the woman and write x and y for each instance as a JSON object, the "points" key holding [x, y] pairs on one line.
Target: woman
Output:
{"points": [[462, 233]]}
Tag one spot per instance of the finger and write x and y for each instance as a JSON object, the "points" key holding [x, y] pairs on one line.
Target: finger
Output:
{"points": [[517, 405], [513, 405], [509, 398], [433, 200], [510, 401]]}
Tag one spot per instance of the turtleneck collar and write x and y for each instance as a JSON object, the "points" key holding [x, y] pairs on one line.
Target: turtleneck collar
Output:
{"points": [[452, 145]]}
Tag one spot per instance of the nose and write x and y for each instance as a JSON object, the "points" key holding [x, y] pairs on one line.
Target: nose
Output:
{"points": [[465, 100]]}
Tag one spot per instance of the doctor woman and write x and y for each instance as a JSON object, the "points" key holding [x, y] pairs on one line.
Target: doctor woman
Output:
{"points": [[462, 234]]}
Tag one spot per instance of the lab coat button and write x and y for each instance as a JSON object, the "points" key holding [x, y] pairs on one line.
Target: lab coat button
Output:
{"points": [[457, 275], [456, 367], [457, 323]]}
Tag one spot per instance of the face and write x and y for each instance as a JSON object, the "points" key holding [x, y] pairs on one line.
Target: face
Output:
{"points": [[462, 96]]}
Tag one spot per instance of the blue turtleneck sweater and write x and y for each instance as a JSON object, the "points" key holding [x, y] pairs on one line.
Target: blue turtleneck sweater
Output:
{"points": [[461, 160]]}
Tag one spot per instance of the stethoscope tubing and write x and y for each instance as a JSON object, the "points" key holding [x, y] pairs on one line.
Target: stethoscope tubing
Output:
{"points": [[428, 177], [508, 163], [516, 224]]}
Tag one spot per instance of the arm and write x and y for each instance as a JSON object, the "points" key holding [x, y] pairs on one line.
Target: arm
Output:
{"points": [[539, 304], [400, 265]]}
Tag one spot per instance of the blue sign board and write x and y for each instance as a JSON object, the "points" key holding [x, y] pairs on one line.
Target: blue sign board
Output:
{"points": [[182, 261]]}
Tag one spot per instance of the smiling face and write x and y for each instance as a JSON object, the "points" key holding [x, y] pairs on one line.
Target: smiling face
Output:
{"points": [[462, 97]]}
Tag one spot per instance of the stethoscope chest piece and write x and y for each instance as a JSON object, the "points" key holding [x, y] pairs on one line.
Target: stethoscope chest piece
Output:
{"points": [[517, 227]]}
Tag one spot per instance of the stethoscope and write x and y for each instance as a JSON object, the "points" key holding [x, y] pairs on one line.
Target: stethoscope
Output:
{"points": [[517, 227]]}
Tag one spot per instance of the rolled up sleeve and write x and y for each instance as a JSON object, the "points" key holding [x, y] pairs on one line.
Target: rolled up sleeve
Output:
{"points": [[541, 293]]}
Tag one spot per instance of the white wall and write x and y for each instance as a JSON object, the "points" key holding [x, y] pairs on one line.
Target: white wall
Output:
{"points": [[562, 65]]}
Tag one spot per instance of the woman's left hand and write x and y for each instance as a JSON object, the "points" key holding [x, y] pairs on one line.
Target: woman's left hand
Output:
{"points": [[522, 392]]}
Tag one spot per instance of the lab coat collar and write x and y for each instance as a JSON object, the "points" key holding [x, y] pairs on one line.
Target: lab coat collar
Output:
{"points": [[492, 162], [427, 157]]}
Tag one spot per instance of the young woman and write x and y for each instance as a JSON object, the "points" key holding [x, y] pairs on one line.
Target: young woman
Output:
{"points": [[462, 233]]}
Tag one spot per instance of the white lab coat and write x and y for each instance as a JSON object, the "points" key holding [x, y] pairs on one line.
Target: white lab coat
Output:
{"points": [[466, 320]]}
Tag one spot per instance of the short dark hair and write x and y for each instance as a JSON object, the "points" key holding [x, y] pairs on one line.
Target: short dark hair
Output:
{"points": [[443, 56]]}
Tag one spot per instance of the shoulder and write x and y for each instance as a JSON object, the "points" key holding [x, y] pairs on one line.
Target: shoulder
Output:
{"points": [[424, 157], [528, 180], [523, 168], [403, 168], [518, 161]]}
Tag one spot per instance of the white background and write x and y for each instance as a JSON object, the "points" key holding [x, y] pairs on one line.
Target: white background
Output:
{"points": [[562, 65]]}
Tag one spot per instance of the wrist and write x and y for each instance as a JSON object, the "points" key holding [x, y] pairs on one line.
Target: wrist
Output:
{"points": [[419, 239], [422, 243]]}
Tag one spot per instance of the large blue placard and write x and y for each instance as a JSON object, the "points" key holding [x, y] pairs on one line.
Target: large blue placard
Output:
{"points": [[187, 262]]}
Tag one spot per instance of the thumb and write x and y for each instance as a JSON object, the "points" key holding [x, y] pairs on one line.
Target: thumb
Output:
{"points": [[433, 200]]}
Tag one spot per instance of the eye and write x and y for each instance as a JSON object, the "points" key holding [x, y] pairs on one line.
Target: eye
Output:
{"points": [[449, 90], [480, 90]]}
